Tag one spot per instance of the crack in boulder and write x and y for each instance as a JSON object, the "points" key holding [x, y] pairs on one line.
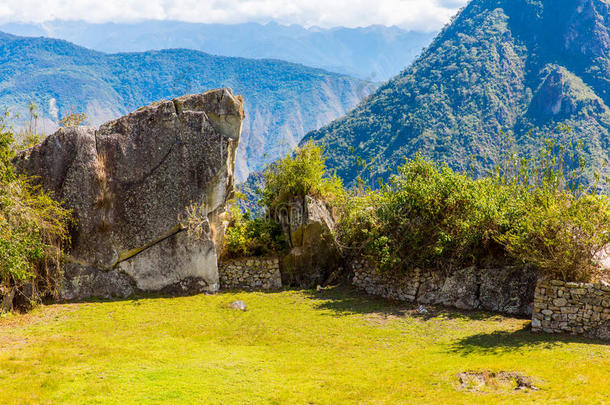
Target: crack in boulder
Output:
{"points": [[128, 184]]}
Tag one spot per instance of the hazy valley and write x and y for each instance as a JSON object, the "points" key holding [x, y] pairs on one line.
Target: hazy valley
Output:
{"points": [[283, 100]]}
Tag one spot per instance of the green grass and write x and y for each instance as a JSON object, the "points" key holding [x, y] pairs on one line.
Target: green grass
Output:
{"points": [[328, 347]]}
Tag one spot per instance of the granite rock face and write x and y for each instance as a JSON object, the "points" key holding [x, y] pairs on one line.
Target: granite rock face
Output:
{"points": [[508, 290], [133, 184], [308, 225]]}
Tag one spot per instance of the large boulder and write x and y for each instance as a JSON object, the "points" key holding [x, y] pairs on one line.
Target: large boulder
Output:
{"points": [[508, 290], [148, 192], [308, 224]]}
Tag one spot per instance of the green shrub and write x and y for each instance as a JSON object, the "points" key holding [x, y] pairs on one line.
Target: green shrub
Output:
{"points": [[246, 236], [556, 220], [560, 233], [299, 175], [295, 176], [427, 216], [33, 228], [529, 211]]}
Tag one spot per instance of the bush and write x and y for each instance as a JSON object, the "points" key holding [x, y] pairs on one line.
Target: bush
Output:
{"points": [[556, 219], [427, 216], [532, 210], [33, 228], [560, 233], [528, 212], [295, 176], [247, 236], [299, 175]]}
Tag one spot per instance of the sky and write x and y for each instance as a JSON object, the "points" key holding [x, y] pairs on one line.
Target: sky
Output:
{"points": [[422, 15]]}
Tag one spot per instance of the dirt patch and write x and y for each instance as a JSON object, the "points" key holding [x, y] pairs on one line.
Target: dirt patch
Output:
{"points": [[488, 381], [40, 314], [12, 325], [381, 319]]}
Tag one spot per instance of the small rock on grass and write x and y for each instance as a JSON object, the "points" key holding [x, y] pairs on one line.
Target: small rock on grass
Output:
{"points": [[240, 305], [422, 310]]}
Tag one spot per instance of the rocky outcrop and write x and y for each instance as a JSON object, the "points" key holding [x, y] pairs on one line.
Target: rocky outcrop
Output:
{"points": [[586, 32], [308, 225], [563, 94], [148, 192], [551, 98], [508, 290]]}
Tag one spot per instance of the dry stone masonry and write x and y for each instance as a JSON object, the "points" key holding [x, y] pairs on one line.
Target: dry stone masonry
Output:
{"points": [[507, 290], [254, 273], [575, 308]]}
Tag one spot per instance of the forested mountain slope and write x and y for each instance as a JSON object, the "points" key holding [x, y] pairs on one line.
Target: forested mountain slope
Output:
{"points": [[501, 66]]}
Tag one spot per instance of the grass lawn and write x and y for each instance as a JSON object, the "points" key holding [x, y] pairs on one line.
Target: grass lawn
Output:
{"points": [[330, 347]]}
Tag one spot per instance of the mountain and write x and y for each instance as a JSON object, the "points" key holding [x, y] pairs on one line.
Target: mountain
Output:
{"points": [[374, 53], [283, 100], [501, 66]]}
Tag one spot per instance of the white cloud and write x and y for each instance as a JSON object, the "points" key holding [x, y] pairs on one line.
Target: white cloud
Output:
{"points": [[410, 14]]}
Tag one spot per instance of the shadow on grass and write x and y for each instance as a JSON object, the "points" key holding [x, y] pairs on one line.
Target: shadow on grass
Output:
{"points": [[138, 297], [503, 341], [135, 298], [345, 300]]}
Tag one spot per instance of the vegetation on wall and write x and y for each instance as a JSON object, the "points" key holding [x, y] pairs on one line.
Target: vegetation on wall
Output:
{"points": [[33, 230], [300, 174], [527, 211], [297, 175], [536, 209], [248, 236], [427, 216]]}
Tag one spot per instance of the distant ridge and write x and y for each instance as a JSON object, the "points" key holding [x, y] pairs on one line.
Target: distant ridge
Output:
{"points": [[374, 53], [283, 100]]}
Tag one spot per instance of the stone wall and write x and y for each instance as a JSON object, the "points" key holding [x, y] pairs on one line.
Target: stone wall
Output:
{"points": [[250, 273], [575, 308], [508, 290]]}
